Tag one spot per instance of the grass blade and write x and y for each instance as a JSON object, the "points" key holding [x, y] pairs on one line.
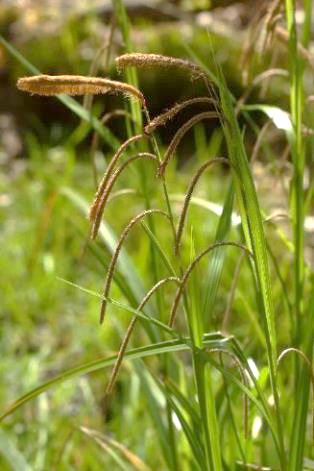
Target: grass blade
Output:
{"points": [[160, 348], [215, 265], [255, 238]]}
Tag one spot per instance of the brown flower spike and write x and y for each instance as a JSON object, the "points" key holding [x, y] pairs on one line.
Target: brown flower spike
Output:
{"points": [[147, 61], [49, 85]]}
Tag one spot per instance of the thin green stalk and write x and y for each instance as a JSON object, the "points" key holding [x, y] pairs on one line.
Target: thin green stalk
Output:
{"points": [[203, 382], [171, 428], [195, 333], [131, 73], [207, 411], [298, 158], [255, 238], [302, 393], [164, 184], [205, 396], [131, 76], [232, 420], [306, 33], [302, 382], [216, 262]]}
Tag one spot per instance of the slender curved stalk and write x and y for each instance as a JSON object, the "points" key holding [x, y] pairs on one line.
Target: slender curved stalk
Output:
{"points": [[102, 185], [188, 196], [115, 255], [127, 336], [161, 119], [103, 198], [192, 265], [180, 134]]}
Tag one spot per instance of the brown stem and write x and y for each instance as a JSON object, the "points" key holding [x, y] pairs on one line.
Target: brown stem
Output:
{"points": [[111, 181], [162, 118], [180, 134], [115, 255], [187, 273], [109, 170], [126, 339], [188, 196]]}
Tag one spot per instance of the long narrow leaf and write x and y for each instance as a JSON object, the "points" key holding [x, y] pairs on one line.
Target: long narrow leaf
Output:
{"points": [[150, 350]]}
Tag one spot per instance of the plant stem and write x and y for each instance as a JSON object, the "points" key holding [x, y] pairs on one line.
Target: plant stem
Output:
{"points": [[297, 150], [207, 410]]}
